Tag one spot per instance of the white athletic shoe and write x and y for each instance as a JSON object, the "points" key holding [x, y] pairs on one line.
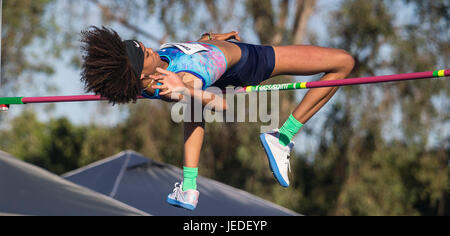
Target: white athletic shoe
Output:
{"points": [[278, 156], [184, 199]]}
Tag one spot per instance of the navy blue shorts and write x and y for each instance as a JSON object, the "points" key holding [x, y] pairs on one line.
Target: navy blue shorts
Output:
{"points": [[256, 65]]}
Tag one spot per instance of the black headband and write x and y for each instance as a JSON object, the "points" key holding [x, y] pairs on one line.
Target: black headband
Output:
{"points": [[136, 56]]}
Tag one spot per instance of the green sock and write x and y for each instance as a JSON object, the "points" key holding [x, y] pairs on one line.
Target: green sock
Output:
{"points": [[190, 178], [289, 130]]}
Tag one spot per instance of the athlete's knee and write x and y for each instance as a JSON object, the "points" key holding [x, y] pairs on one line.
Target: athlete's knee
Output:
{"points": [[346, 62]]}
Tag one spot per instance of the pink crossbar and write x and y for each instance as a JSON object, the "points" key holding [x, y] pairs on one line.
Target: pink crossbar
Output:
{"points": [[54, 99]]}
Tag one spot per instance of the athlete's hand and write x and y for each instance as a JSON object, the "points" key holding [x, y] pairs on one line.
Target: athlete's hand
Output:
{"points": [[171, 84], [227, 36]]}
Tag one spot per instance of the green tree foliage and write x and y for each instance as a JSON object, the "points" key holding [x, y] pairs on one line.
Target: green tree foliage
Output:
{"points": [[24, 137], [55, 146], [368, 163]]}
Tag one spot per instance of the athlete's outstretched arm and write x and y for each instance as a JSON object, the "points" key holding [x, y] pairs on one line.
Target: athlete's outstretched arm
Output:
{"points": [[175, 89], [221, 37]]}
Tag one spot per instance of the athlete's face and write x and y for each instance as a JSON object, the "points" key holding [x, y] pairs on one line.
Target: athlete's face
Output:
{"points": [[151, 59]]}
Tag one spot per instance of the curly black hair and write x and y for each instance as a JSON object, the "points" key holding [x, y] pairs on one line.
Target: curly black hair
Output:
{"points": [[106, 69]]}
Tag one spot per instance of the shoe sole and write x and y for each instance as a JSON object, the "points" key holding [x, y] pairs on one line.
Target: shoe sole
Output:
{"points": [[179, 204], [272, 163]]}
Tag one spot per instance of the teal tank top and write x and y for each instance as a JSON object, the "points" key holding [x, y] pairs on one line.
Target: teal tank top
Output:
{"points": [[208, 65]]}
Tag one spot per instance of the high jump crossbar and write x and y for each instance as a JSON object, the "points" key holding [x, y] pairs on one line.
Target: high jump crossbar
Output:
{"points": [[6, 101]]}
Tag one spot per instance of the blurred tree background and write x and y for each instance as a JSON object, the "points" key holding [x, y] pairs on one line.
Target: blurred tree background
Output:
{"points": [[381, 150]]}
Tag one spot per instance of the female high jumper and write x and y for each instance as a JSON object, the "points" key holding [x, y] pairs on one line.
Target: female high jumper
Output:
{"points": [[123, 70]]}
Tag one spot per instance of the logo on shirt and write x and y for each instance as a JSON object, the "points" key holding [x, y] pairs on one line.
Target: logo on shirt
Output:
{"points": [[187, 48]]}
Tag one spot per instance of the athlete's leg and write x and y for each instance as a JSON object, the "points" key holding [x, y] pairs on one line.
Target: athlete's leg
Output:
{"points": [[186, 196], [193, 141], [309, 60], [302, 60]]}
